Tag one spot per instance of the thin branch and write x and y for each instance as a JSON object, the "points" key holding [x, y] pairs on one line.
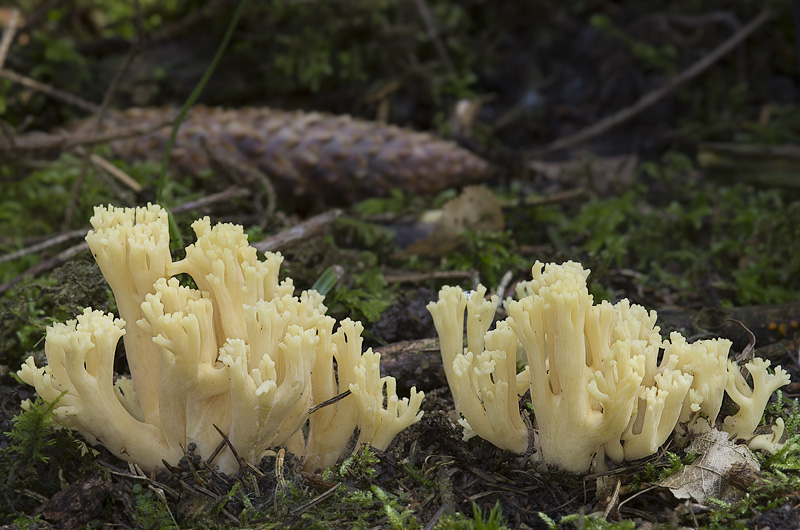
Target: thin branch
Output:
{"points": [[223, 196], [773, 151], [64, 141], [335, 399], [652, 97], [38, 247], [101, 163], [74, 250], [188, 21], [55, 93], [8, 35], [433, 33], [77, 186], [316, 500], [304, 230], [46, 265]]}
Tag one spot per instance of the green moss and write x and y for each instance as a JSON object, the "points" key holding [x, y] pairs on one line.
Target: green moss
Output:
{"points": [[654, 473], [366, 295], [490, 253], [359, 466], [151, 513], [491, 519], [27, 310], [729, 243], [39, 455]]}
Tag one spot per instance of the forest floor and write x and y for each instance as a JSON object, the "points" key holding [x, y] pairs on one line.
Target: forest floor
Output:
{"points": [[655, 144]]}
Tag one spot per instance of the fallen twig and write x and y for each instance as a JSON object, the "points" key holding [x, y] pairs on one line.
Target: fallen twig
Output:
{"points": [[50, 91], [74, 250], [38, 247], [776, 151], [433, 34], [96, 126], [652, 97], [560, 196], [304, 230], [62, 141], [416, 277], [8, 35], [46, 265], [102, 164]]}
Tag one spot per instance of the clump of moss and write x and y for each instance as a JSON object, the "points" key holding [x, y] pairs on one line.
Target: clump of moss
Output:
{"points": [[705, 244], [39, 455], [27, 310]]}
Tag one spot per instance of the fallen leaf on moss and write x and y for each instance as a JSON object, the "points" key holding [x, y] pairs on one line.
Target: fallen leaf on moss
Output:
{"points": [[706, 477], [475, 208]]}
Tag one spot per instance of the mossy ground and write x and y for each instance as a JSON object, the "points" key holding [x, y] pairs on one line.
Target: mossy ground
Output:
{"points": [[688, 230]]}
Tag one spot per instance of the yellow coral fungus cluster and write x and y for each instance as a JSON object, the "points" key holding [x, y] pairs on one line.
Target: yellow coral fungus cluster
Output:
{"points": [[602, 381], [241, 353]]}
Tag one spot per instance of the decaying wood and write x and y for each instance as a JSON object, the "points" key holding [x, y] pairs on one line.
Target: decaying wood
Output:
{"points": [[311, 158]]}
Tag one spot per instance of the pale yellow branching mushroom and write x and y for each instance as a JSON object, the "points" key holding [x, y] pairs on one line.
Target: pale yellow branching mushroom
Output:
{"points": [[706, 361], [771, 442], [379, 423], [331, 426], [597, 386], [238, 354], [751, 401], [656, 414], [583, 385], [131, 247], [81, 365], [483, 383]]}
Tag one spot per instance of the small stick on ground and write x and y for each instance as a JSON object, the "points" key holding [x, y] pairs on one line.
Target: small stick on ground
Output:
{"points": [[55, 93], [97, 125], [102, 164], [38, 247], [46, 265], [416, 277], [433, 33], [308, 228], [62, 141], [652, 97], [8, 36], [74, 250]]}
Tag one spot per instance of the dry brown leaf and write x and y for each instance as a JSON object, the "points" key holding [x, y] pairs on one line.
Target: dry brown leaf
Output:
{"points": [[706, 477], [476, 208]]}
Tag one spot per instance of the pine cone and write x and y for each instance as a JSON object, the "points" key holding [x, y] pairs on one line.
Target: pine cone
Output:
{"points": [[311, 158]]}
